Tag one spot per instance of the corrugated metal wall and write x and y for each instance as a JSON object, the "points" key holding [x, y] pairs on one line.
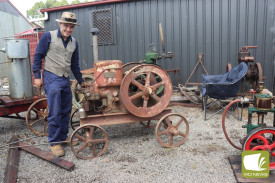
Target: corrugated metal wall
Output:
{"points": [[214, 27], [11, 22]]}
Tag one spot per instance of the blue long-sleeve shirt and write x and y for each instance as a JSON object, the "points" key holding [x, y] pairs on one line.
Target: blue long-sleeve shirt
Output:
{"points": [[41, 52]]}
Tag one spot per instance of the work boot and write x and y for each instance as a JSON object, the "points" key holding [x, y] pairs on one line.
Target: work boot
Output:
{"points": [[68, 139], [57, 150]]}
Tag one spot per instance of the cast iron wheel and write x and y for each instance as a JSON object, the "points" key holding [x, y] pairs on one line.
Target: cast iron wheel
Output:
{"points": [[171, 131], [74, 120], [91, 145], [262, 139], [146, 90], [36, 117]]}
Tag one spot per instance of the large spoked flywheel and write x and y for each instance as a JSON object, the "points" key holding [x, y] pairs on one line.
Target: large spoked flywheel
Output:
{"points": [[262, 139], [146, 90]]}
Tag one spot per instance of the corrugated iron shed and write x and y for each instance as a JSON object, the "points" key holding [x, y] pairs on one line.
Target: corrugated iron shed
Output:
{"points": [[217, 28], [11, 22]]}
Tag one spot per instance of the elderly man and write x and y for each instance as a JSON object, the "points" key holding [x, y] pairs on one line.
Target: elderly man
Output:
{"points": [[60, 51]]}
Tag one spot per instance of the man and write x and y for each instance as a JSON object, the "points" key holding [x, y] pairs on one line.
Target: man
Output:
{"points": [[60, 51]]}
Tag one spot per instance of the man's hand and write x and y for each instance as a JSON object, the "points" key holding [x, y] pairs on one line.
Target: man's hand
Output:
{"points": [[38, 82]]}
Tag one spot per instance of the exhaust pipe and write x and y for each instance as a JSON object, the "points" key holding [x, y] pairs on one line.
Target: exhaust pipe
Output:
{"points": [[95, 32]]}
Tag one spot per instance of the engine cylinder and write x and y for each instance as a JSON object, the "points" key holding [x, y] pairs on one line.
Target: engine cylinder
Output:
{"points": [[108, 73]]}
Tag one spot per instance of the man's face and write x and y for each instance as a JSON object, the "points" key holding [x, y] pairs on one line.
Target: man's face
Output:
{"points": [[66, 29]]}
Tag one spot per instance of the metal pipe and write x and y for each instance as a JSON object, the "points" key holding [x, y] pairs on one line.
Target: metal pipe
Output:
{"points": [[95, 32]]}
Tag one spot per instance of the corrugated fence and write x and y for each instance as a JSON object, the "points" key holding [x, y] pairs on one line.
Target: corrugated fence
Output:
{"points": [[214, 27]]}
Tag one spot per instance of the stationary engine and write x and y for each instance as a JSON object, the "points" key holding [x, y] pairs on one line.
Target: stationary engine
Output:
{"points": [[145, 90], [100, 91]]}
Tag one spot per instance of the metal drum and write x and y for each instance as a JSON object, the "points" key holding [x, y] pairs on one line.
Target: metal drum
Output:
{"points": [[19, 68]]}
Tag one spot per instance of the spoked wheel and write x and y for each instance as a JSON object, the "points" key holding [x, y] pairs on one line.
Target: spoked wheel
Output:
{"points": [[233, 128], [36, 117], [91, 144], [262, 139], [74, 120], [172, 130], [146, 90]]}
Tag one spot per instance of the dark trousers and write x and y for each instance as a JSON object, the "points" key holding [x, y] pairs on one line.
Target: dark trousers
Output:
{"points": [[59, 98]]}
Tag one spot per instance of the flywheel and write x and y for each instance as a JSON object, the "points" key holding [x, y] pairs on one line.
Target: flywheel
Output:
{"points": [[262, 138], [146, 90]]}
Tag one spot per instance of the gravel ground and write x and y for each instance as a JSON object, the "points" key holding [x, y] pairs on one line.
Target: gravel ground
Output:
{"points": [[135, 155]]}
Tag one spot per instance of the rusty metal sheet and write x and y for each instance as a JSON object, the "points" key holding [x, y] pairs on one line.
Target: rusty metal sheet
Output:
{"points": [[12, 163], [48, 156]]}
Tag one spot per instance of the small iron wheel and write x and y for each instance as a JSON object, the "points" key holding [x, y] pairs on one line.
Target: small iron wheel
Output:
{"points": [[91, 144], [74, 120], [172, 130], [146, 90], [262, 138], [36, 117]]}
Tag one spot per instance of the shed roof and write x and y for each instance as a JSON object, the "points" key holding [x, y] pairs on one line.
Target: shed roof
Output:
{"points": [[31, 31], [2, 1], [94, 3]]}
